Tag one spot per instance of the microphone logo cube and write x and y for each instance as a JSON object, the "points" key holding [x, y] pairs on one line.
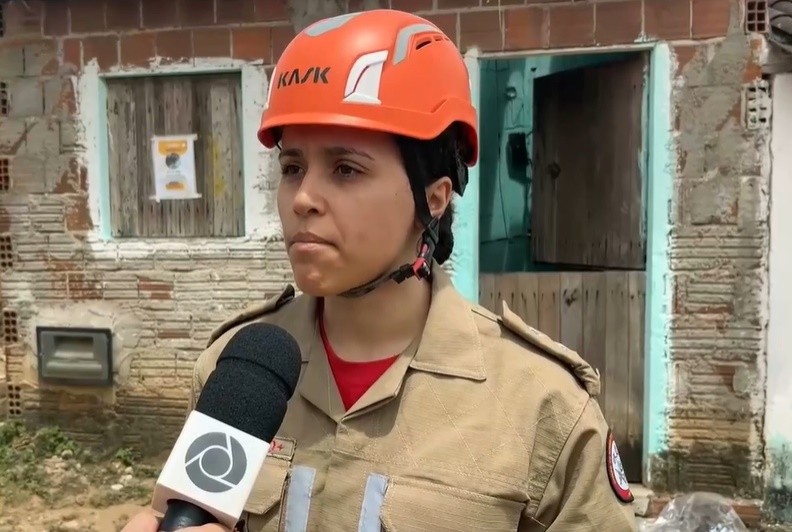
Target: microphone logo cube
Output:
{"points": [[215, 462], [213, 466]]}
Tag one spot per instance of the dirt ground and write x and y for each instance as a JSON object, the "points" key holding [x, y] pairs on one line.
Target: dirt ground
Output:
{"points": [[96, 498], [36, 517], [50, 484]]}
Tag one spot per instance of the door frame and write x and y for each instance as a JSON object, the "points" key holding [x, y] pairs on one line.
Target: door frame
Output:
{"points": [[777, 429], [661, 168]]}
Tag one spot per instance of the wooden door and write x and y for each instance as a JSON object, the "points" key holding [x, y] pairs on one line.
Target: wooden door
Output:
{"points": [[601, 316], [587, 202]]}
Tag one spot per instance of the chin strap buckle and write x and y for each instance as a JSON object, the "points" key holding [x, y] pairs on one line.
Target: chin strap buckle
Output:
{"points": [[421, 267]]}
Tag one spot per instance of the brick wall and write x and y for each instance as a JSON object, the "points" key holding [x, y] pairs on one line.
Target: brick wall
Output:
{"points": [[164, 299]]}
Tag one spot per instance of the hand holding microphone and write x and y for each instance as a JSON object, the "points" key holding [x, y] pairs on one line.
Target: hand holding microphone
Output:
{"points": [[146, 522], [217, 457]]}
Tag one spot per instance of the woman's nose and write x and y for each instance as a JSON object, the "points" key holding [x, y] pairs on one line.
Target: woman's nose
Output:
{"points": [[308, 199]]}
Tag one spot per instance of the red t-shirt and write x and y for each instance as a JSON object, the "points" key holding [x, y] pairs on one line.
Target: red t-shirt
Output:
{"points": [[353, 379]]}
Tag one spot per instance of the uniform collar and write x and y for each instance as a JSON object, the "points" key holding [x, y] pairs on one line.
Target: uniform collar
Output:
{"points": [[449, 345]]}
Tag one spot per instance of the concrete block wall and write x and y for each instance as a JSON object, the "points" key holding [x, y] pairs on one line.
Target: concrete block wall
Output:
{"points": [[162, 300]]}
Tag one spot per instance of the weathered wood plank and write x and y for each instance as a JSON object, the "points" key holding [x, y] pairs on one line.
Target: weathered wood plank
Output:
{"points": [[633, 447], [616, 352], [594, 305], [207, 105], [122, 159], [601, 315], [528, 285], [549, 308], [487, 290], [587, 196], [571, 302]]}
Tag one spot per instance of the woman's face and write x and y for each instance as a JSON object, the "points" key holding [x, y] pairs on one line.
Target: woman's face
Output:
{"points": [[346, 207]]}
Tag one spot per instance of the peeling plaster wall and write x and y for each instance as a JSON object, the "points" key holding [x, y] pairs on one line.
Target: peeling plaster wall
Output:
{"points": [[718, 246]]}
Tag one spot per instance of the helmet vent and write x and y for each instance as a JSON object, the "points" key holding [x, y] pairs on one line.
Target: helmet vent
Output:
{"points": [[429, 40]]}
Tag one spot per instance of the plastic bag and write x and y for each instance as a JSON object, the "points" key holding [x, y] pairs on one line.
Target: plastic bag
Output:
{"points": [[697, 512]]}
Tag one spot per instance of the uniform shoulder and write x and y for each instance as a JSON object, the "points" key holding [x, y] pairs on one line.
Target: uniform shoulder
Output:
{"points": [[256, 311], [506, 326], [267, 309]]}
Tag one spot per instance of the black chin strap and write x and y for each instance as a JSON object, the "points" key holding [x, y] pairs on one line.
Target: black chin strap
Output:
{"points": [[422, 266]]}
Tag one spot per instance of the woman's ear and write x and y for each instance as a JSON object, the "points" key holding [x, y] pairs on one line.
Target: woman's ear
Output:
{"points": [[438, 196]]}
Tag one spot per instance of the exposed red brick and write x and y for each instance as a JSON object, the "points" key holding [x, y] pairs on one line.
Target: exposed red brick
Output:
{"points": [[667, 19], [72, 52], [447, 23], [5, 221], [74, 180], [67, 102], [61, 265], [137, 49], [158, 295], [159, 14], [684, 54], [123, 15], [453, 4], [281, 37], [411, 5], [526, 28], [482, 29], [154, 289], [78, 217], [214, 42], [56, 18], [41, 54], [196, 12], [618, 22], [104, 48], [23, 18], [711, 18], [252, 43], [174, 334], [353, 6], [571, 25], [175, 45], [82, 286], [234, 11], [87, 16], [51, 68], [271, 10], [753, 69]]}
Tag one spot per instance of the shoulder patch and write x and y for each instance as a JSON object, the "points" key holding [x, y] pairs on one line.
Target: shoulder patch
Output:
{"points": [[582, 370], [616, 475], [256, 311]]}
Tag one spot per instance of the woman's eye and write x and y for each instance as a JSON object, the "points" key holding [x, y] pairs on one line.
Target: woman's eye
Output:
{"points": [[344, 170], [290, 169]]}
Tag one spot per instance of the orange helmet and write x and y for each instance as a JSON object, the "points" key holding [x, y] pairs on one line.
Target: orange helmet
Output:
{"points": [[383, 70]]}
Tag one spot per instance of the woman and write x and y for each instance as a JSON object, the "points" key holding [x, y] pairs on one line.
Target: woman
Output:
{"points": [[416, 410]]}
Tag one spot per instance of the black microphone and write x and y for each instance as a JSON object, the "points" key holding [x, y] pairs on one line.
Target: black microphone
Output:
{"points": [[211, 470]]}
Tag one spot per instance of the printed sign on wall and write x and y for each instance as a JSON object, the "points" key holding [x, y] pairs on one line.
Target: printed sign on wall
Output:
{"points": [[174, 167]]}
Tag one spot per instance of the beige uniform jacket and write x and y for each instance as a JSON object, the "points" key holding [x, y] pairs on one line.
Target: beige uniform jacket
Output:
{"points": [[484, 425]]}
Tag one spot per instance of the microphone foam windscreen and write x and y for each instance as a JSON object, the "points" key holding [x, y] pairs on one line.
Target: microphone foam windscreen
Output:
{"points": [[256, 375]]}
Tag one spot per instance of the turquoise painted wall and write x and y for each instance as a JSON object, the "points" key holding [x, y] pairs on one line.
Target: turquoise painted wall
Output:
{"points": [[506, 106]]}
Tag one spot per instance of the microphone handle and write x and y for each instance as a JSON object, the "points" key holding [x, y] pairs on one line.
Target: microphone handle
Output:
{"points": [[181, 514]]}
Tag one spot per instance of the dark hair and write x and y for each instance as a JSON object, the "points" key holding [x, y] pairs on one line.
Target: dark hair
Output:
{"points": [[426, 161]]}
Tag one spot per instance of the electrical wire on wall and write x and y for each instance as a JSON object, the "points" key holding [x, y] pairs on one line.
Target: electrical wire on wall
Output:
{"points": [[514, 140]]}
